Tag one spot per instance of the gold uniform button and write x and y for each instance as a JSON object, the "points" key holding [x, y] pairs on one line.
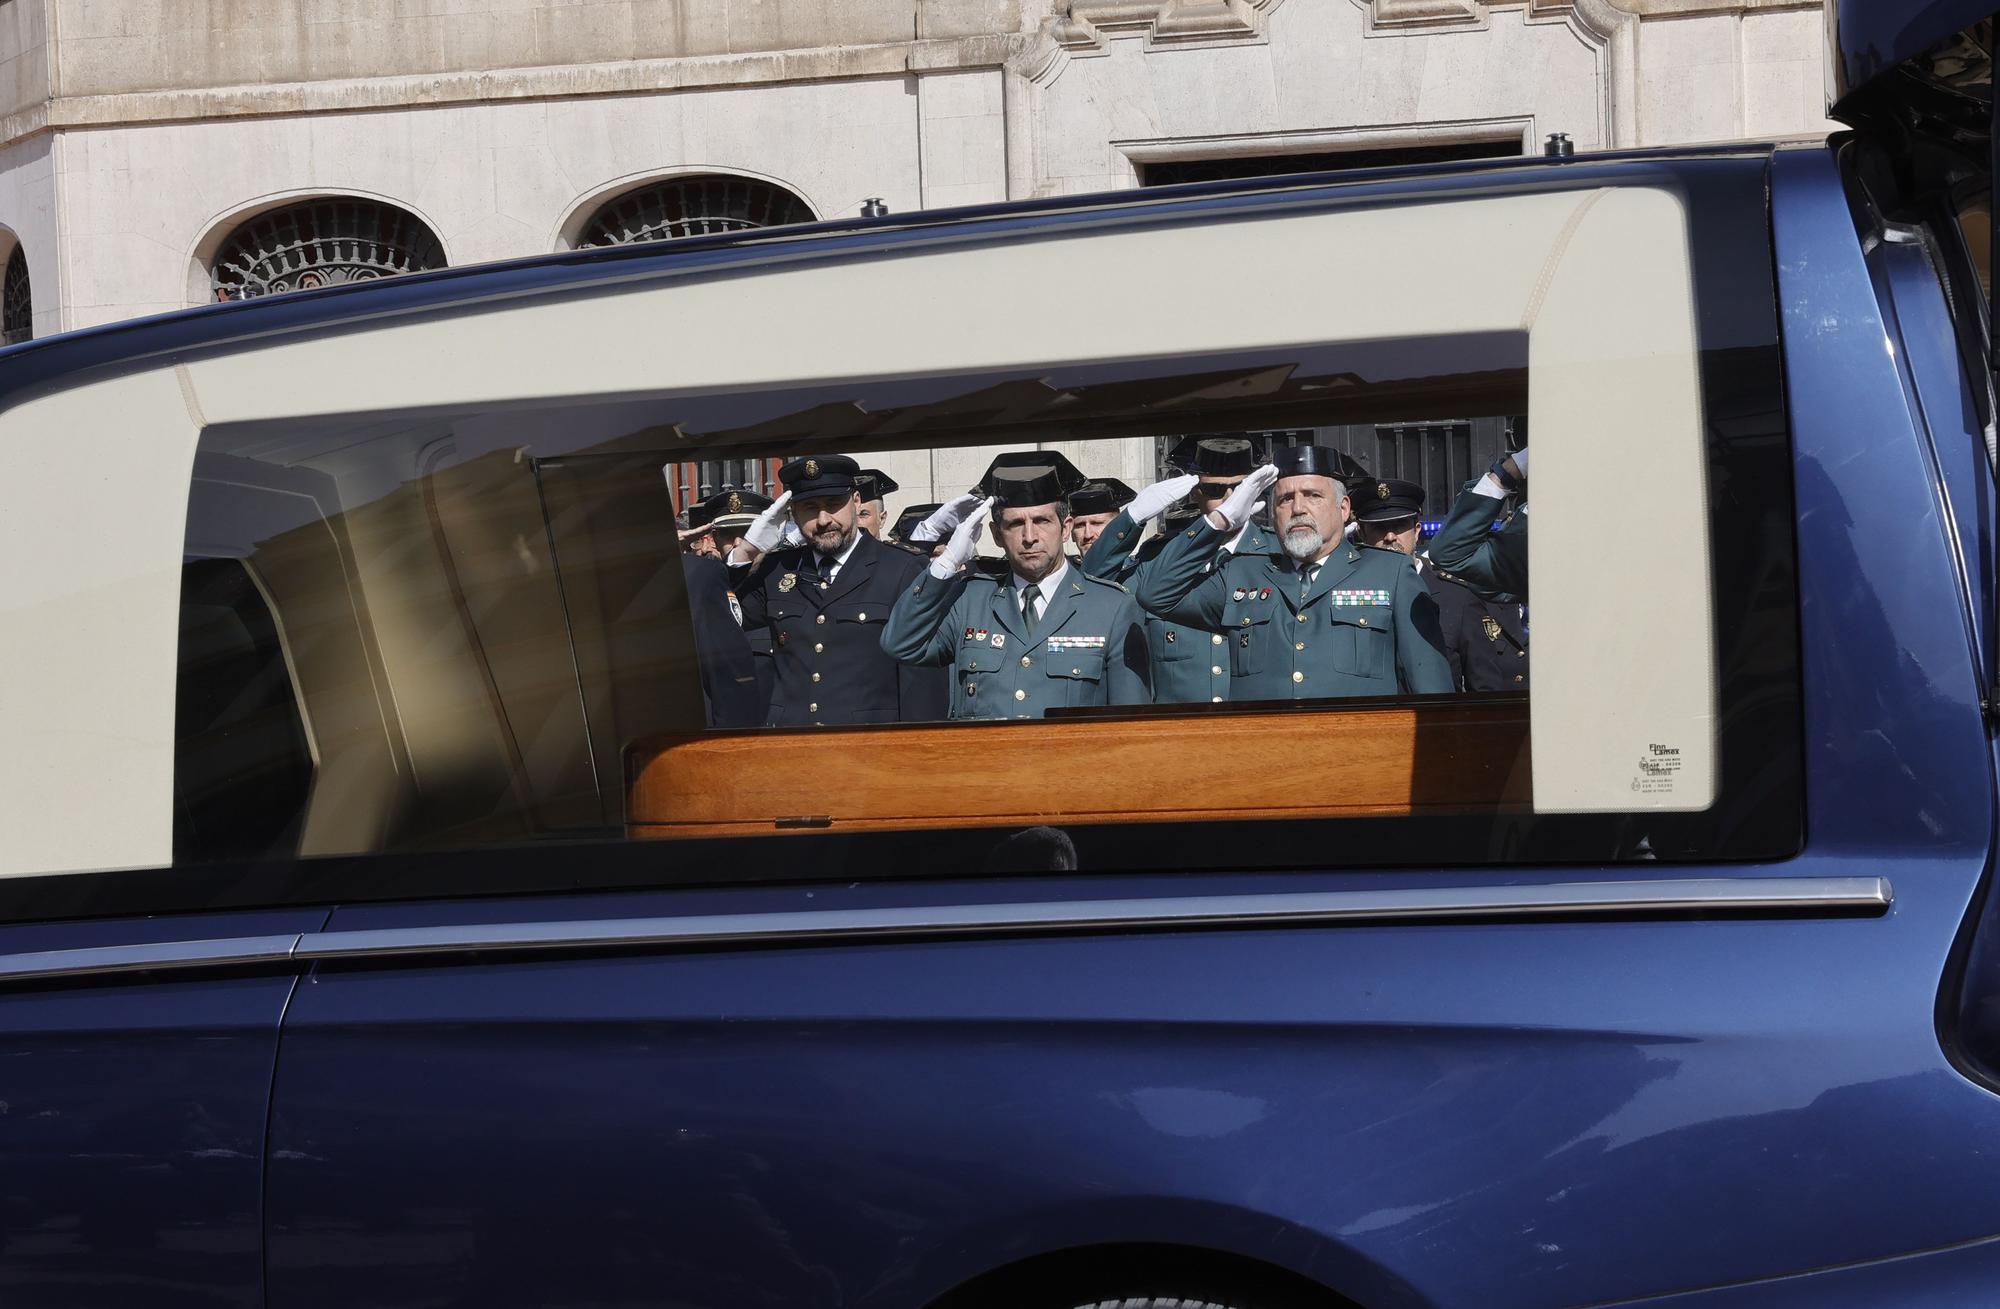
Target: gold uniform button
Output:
{"points": [[1302, 618], [1520, 654], [1215, 669], [1216, 639], [1027, 662], [1298, 677], [1215, 699], [1020, 695], [1300, 646], [1364, 622], [815, 677], [821, 619], [1074, 672], [812, 708], [1519, 678], [818, 648], [1246, 622]]}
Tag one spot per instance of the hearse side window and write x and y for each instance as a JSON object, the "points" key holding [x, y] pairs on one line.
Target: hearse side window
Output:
{"points": [[467, 610]]}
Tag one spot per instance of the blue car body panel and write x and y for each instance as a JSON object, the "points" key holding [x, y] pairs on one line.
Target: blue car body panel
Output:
{"points": [[132, 1117], [1493, 1115]]}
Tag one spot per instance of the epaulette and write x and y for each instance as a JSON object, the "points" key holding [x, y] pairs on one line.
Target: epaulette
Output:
{"points": [[1104, 581]]}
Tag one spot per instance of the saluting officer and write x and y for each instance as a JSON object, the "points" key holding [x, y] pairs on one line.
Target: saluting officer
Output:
{"points": [[1187, 662], [825, 603], [1316, 615], [698, 537], [1035, 636], [1467, 545], [729, 515], [1486, 641], [1092, 506]]}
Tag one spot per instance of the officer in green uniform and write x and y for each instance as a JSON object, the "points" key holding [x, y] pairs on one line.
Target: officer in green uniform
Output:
{"points": [[1187, 662], [1313, 616], [1092, 506], [1033, 635], [1468, 547]]}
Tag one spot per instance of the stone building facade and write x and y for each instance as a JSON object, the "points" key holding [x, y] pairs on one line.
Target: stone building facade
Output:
{"points": [[156, 154]]}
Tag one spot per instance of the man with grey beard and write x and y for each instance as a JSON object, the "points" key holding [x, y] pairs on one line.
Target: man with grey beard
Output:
{"points": [[1314, 616]]}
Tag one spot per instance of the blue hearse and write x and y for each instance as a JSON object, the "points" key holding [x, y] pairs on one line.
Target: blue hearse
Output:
{"points": [[394, 919]]}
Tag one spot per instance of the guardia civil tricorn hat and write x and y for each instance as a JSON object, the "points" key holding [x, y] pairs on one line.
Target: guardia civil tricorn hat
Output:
{"points": [[1103, 495], [1215, 456], [1020, 479]]}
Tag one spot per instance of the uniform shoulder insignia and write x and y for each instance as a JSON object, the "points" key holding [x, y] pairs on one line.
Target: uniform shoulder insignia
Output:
{"points": [[1107, 582]]}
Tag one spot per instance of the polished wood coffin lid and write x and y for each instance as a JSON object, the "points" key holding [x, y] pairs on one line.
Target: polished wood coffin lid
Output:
{"points": [[1152, 764]]}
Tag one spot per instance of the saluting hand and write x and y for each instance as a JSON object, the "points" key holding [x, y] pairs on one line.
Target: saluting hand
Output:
{"points": [[945, 517], [763, 535], [964, 543], [1244, 502], [1160, 497]]}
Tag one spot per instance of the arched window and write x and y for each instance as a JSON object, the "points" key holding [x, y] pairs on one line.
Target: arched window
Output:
{"points": [[322, 243], [692, 206], [17, 301]]}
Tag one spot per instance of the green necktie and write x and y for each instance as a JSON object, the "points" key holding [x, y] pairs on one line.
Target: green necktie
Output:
{"points": [[1031, 604]]}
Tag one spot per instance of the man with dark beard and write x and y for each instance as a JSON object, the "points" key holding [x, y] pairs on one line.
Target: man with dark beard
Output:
{"points": [[1033, 636], [825, 602], [1316, 615]]}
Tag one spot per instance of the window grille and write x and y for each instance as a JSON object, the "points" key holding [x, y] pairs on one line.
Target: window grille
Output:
{"points": [[692, 206], [322, 243], [17, 301]]}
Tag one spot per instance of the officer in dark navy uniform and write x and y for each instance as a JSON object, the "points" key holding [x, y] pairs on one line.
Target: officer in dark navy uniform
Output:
{"points": [[1033, 634], [732, 686], [1315, 615], [1188, 663], [825, 603], [729, 514], [1485, 640]]}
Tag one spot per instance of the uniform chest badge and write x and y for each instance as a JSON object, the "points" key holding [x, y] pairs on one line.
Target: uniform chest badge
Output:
{"points": [[1238, 594], [788, 581], [968, 634], [999, 640], [735, 609], [1491, 628], [1348, 599], [1264, 594]]}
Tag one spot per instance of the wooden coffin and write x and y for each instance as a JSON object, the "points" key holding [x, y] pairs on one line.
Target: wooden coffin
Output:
{"points": [[1161, 763]]}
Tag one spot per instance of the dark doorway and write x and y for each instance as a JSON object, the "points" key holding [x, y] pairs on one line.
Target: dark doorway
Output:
{"points": [[1210, 170]]}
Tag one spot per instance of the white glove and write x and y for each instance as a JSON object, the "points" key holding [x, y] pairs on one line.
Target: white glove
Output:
{"points": [[793, 535], [1160, 497], [1244, 502], [1521, 461], [1244, 530], [964, 543], [945, 517], [768, 530]]}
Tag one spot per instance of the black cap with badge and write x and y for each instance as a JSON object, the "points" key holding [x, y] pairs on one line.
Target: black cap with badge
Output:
{"points": [[1386, 500], [730, 509], [1214, 456], [1021, 479], [818, 475], [873, 484], [1103, 495]]}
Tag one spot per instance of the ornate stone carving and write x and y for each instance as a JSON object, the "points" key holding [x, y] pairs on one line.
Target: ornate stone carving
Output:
{"points": [[1082, 27], [1596, 20]]}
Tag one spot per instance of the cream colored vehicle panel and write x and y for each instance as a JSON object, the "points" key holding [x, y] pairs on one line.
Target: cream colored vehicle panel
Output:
{"points": [[88, 711]]}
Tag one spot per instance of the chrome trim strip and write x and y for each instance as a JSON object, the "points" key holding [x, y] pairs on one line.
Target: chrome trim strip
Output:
{"points": [[1771, 897], [1775, 897], [152, 956]]}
